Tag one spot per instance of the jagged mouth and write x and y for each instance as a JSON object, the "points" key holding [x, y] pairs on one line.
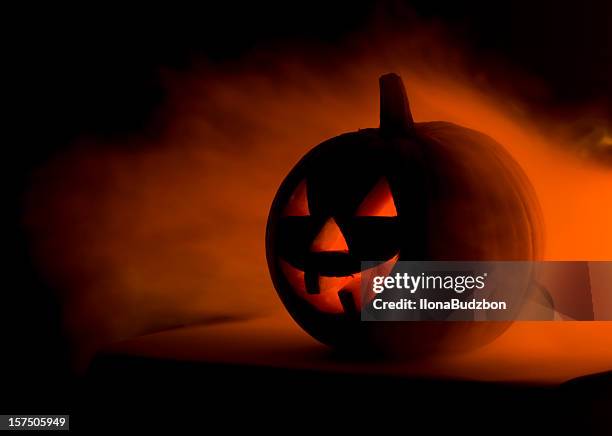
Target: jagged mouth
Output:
{"points": [[332, 281]]}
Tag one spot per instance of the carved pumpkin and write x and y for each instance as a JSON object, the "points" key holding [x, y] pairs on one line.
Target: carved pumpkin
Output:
{"points": [[407, 191]]}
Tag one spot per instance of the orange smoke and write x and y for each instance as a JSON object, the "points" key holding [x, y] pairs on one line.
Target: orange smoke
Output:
{"points": [[154, 232]]}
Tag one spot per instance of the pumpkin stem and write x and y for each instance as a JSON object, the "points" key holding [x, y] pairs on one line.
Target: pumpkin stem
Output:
{"points": [[395, 116]]}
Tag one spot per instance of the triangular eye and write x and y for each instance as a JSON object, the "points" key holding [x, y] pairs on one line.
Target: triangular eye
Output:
{"points": [[298, 202], [378, 202]]}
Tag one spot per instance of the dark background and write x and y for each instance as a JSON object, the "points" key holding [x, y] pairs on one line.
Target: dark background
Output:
{"points": [[75, 71]]}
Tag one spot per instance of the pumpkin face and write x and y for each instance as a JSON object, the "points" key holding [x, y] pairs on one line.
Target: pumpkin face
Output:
{"points": [[404, 191]]}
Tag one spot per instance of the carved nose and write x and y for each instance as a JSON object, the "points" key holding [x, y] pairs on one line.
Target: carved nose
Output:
{"points": [[330, 238]]}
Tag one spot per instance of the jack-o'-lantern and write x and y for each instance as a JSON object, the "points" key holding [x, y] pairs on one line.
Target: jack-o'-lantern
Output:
{"points": [[403, 191]]}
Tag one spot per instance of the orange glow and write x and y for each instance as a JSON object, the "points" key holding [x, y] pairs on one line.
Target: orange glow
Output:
{"points": [[330, 238], [327, 299], [152, 232], [379, 202], [298, 202]]}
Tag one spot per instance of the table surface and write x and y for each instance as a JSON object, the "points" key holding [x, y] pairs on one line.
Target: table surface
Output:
{"points": [[544, 353]]}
